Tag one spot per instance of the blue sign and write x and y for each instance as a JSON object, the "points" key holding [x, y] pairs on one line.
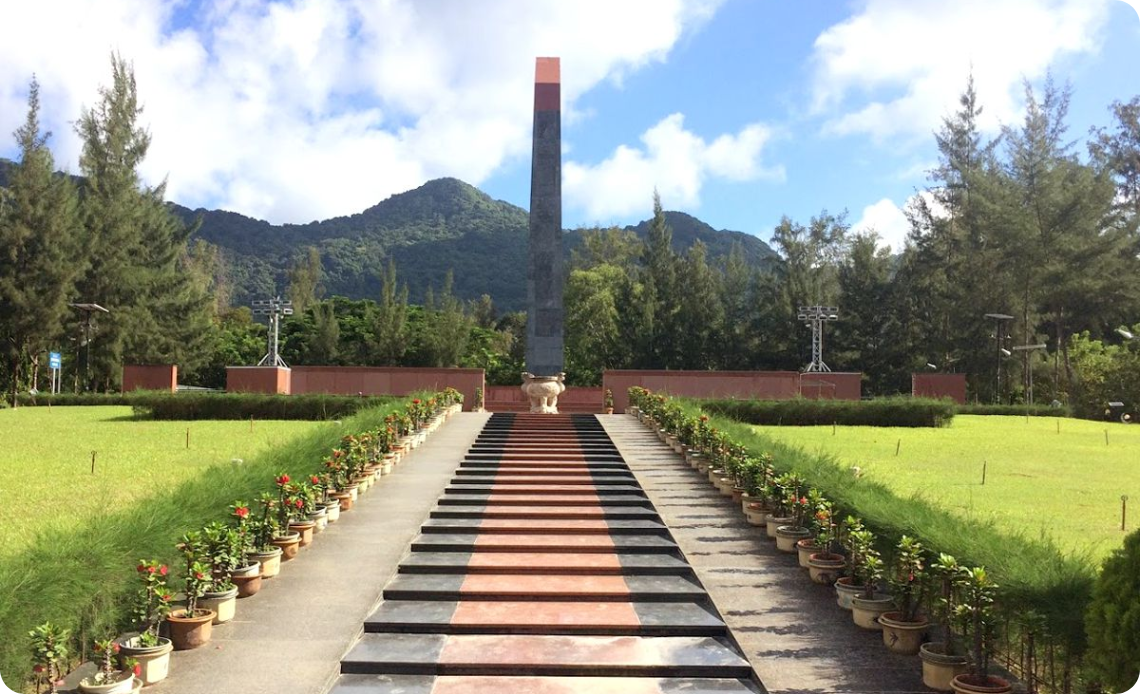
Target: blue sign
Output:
{"points": [[55, 360]]}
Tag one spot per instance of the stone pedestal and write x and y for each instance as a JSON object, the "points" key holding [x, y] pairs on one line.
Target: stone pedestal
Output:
{"points": [[543, 392]]}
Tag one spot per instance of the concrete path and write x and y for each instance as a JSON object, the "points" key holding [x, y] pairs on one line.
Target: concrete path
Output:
{"points": [[292, 634], [544, 570], [793, 632]]}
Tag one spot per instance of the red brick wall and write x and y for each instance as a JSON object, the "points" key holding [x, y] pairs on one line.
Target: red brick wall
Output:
{"points": [[768, 385], [376, 380], [574, 400], [951, 386], [150, 377], [832, 385], [258, 379]]}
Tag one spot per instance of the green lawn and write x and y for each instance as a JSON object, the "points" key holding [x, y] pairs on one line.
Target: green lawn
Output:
{"points": [[1064, 486], [45, 462]]}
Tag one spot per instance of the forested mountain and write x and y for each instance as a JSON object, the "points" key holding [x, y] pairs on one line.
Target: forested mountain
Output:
{"points": [[443, 225]]}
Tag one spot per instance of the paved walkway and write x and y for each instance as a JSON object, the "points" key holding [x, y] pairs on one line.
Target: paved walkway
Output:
{"points": [[291, 635], [544, 570], [791, 629]]}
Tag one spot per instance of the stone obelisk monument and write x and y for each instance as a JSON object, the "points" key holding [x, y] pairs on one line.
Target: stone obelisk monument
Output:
{"points": [[544, 356]]}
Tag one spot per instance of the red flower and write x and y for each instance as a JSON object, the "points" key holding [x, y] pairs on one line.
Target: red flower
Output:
{"points": [[141, 568], [338, 453], [150, 569], [241, 511], [166, 597], [38, 669], [416, 401], [137, 670], [200, 576], [162, 569], [314, 479], [115, 647], [283, 480], [298, 503]]}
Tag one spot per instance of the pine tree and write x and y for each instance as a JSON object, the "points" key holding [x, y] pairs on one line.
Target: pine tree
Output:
{"points": [[700, 315], [39, 240], [660, 279], [305, 279], [390, 331]]}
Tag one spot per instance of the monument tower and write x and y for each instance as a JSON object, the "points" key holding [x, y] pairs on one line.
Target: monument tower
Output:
{"points": [[544, 355]]}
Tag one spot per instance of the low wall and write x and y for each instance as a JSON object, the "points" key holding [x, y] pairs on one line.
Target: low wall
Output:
{"points": [[150, 377], [383, 380], [765, 385], [832, 385], [575, 399], [951, 386], [274, 380]]}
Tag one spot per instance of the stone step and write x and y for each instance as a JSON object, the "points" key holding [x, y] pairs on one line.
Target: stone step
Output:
{"points": [[561, 471], [506, 617], [590, 563], [509, 478], [468, 486], [544, 464], [541, 542], [544, 655], [484, 498], [431, 684], [602, 526], [543, 587], [546, 512]]}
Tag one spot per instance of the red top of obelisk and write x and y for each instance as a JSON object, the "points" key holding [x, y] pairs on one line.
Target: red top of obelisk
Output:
{"points": [[547, 79]]}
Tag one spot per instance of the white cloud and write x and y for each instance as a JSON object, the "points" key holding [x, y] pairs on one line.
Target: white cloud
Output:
{"points": [[675, 161], [887, 220], [304, 109], [897, 66]]}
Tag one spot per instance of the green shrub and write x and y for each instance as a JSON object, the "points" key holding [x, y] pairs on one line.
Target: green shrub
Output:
{"points": [[1113, 619], [880, 412], [1016, 410], [188, 406], [84, 399]]}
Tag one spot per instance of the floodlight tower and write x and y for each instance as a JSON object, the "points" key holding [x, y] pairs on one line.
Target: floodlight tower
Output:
{"points": [[274, 308], [1000, 336], [814, 316]]}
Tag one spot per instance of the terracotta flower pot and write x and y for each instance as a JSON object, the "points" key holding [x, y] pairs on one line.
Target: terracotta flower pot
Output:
{"points": [[900, 636], [305, 530], [938, 669], [825, 568], [190, 631], [270, 561], [865, 611], [737, 494], [154, 661], [248, 584], [386, 467], [222, 603], [788, 535], [971, 684], [345, 500], [289, 544], [805, 548]]}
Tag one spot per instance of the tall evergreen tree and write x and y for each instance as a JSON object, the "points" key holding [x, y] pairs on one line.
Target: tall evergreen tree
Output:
{"points": [[700, 314], [390, 333], [39, 240], [305, 279], [660, 280]]}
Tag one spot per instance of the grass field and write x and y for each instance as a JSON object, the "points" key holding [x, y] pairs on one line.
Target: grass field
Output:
{"points": [[1065, 486], [45, 461]]}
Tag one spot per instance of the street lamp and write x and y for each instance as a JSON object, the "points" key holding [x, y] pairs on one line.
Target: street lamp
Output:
{"points": [[88, 310], [1000, 320], [1126, 334], [814, 316], [1028, 368]]}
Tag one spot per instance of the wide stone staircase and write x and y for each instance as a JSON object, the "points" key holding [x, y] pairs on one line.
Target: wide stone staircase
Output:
{"points": [[544, 569]]}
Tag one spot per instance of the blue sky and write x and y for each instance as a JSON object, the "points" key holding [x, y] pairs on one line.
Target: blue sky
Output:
{"points": [[737, 111]]}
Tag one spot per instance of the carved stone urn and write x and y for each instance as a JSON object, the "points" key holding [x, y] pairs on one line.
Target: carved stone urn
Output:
{"points": [[543, 392]]}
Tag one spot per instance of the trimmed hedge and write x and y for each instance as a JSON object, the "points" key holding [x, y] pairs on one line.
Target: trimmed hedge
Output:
{"points": [[189, 406], [880, 412], [85, 399], [1016, 410]]}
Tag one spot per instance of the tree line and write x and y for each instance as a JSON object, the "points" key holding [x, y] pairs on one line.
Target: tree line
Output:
{"points": [[1021, 224]]}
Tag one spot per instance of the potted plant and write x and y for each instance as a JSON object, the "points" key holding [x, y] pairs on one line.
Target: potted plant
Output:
{"points": [[191, 627], [757, 507], [868, 603], [976, 611], [904, 628], [49, 655], [800, 505], [315, 508], [247, 576], [779, 494], [477, 403], [826, 564], [942, 660], [108, 679], [222, 553], [149, 650], [294, 505], [608, 401], [847, 587], [288, 540], [819, 521]]}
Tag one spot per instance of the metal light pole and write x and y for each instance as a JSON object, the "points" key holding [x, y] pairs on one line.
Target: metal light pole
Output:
{"points": [[88, 310], [274, 308], [814, 316], [1028, 349], [1000, 320]]}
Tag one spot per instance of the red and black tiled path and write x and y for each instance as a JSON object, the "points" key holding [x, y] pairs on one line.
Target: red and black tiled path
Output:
{"points": [[544, 569]]}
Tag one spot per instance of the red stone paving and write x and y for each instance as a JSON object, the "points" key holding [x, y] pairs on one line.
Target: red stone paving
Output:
{"points": [[505, 613], [570, 542], [519, 650], [545, 584], [546, 685], [540, 511], [599, 561], [543, 524], [583, 497]]}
